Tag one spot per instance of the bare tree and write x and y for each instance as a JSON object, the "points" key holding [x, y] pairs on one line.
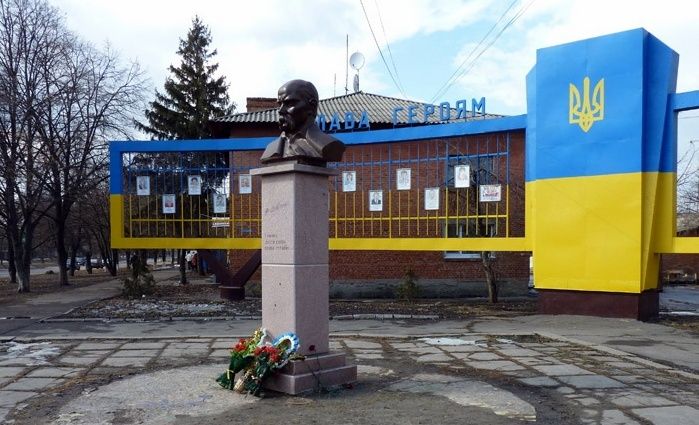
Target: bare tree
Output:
{"points": [[99, 227], [31, 39], [92, 98], [688, 187]]}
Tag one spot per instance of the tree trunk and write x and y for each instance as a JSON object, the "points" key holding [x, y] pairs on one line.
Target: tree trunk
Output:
{"points": [[183, 268], [88, 262], [112, 264], [172, 256], [200, 265], [62, 256], [23, 259], [487, 262], [11, 266], [71, 270], [164, 254]]}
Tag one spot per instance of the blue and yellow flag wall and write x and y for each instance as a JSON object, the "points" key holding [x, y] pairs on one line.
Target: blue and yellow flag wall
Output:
{"points": [[601, 162]]}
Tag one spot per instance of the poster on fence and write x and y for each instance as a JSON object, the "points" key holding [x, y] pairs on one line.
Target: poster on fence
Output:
{"points": [[462, 176], [244, 183], [194, 185], [142, 185], [490, 193], [403, 179], [169, 204], [349, 181], [219, 203], [431, 198], [376, 200]]}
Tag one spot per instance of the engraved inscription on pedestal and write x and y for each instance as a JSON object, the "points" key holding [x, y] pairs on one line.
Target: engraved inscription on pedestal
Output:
{"points": [[272, 242]]}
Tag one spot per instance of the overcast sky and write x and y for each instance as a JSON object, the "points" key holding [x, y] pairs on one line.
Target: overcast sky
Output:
{"points": [[262, 44]]}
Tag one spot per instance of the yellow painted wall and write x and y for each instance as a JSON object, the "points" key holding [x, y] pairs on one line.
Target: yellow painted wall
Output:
{"points": [[588, 233]]}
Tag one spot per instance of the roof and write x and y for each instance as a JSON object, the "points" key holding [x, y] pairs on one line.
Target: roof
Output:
{"points": [[380, 110]]}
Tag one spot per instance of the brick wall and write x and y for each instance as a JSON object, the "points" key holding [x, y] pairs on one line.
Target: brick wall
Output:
{"points": [[428, 164]]}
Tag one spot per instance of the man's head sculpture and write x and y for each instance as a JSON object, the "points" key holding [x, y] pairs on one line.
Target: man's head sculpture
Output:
{"points": [[298, 105], [301, 140]]}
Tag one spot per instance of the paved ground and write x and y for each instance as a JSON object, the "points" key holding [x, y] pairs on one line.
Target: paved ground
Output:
{"points": [[533, 369]]}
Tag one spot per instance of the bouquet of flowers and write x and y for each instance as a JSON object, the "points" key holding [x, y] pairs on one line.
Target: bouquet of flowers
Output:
{"points": [[256, 357]]}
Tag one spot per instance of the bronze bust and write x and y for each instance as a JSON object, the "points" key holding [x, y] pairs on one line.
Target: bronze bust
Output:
{"points": [[301, 139]]}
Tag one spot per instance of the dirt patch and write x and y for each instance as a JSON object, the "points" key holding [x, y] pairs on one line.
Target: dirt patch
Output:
{"points": [[202, 299], [685, 323], [48, 283]]}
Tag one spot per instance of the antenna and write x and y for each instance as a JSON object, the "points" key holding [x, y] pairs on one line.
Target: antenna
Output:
{"points": [[356, 61], [346, 69]]}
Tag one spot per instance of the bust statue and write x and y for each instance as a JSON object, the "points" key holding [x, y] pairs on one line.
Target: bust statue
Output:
{"points": [[301, 139]]}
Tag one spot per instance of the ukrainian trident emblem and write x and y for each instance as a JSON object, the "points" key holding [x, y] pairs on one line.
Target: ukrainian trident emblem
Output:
{"points": [[583, 110]]}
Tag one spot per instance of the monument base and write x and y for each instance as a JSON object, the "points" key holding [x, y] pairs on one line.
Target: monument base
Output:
{"points": [[319, 371], [641, 306], [232, 293]]}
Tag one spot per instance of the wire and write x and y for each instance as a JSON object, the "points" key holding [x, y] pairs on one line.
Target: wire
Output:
{"points": [[440, 92], [388, 47], [470, 66], [379, 48]]}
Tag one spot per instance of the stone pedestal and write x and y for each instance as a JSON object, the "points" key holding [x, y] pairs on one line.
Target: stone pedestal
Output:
{"points": [[295, 282]]}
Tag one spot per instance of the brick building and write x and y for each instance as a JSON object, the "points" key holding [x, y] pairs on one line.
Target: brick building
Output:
{"points": [[428, 166]]}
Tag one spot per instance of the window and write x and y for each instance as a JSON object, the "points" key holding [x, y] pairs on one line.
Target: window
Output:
{"points": [[461, 229]]}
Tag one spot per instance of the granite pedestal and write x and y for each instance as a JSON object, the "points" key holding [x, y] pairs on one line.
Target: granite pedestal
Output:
{"points": [[295, 282]]}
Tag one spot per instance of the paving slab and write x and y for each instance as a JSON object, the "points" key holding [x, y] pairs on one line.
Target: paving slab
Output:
{"points": [[221, 353], [485, 356], [590, 381], [135, 353], [33, 384], [8, 399], [97, 346], [503, 365], [616, 417], [143, 346], [372, 356], [358, 344], [79, 361], [54, 372], [561, 370], [636, 398], [674, 415], [10, 372], [518, 352], [540, 381], [126, 361], [431, 358]]}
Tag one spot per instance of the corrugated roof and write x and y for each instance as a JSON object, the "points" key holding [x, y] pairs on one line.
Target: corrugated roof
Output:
{"points": [[380, 110]]}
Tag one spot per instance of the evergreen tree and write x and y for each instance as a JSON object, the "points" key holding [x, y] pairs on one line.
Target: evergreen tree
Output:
{"points": [[193, 95]]}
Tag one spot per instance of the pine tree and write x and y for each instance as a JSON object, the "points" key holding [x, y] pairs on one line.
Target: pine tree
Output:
{"points": [[193, 95]]}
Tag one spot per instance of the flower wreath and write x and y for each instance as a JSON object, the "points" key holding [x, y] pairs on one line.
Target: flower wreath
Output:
{"points": [[257, 357]]}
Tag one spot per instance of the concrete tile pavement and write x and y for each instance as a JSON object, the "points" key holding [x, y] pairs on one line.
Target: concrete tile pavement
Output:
{"points": [[607, 370], [603, 387]]}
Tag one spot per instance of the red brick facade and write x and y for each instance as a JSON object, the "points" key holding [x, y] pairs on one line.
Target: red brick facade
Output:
{"points": [[403, 214]]}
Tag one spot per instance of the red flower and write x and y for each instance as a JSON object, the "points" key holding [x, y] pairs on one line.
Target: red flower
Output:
{"points": [[242, 345], [258, 351]]}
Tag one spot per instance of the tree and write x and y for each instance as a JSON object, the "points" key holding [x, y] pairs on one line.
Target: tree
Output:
{"points": [[91, 98], [32, 38], [193, 95]]}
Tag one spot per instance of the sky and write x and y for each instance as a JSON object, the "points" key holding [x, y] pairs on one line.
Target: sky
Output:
{"points": [[264, 43]]}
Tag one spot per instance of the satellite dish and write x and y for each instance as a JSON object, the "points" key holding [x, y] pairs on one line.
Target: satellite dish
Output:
{"points": [[356, 61]]}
